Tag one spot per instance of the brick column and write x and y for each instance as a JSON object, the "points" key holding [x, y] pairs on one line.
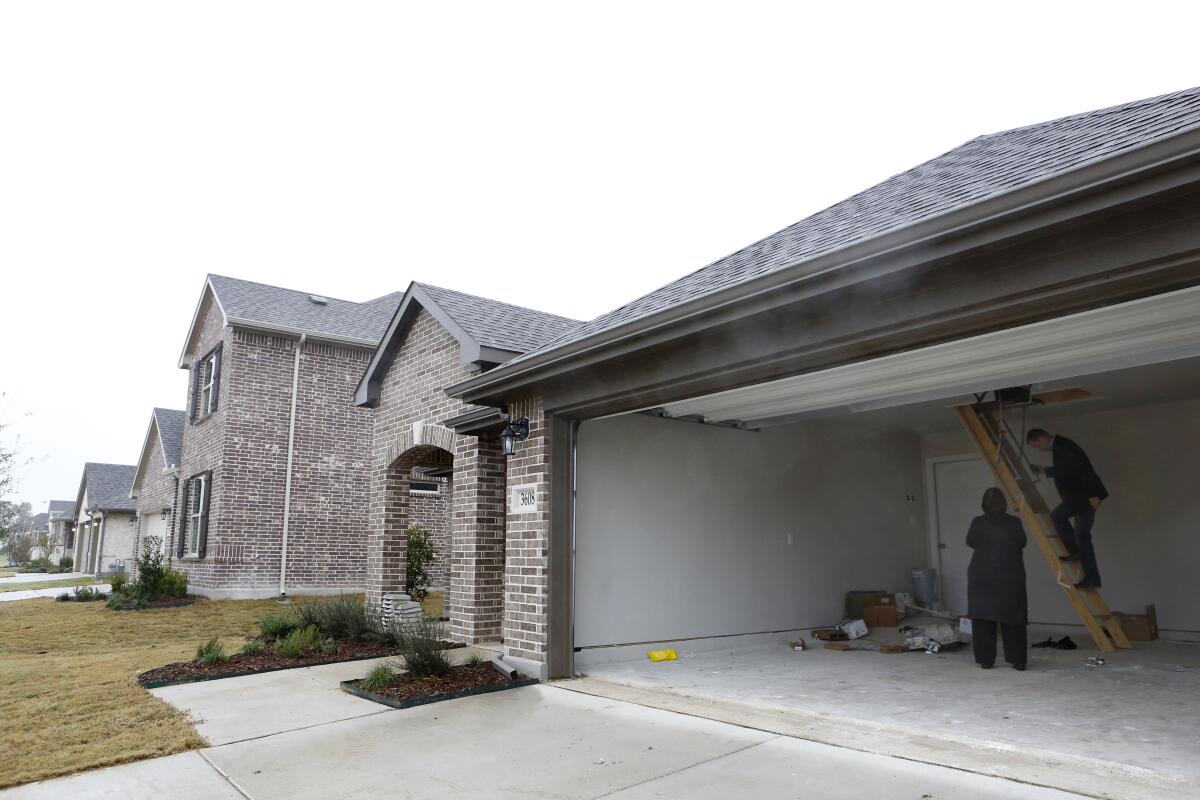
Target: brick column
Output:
{"points": [[527, 541], [387, 544], [476, 599]]}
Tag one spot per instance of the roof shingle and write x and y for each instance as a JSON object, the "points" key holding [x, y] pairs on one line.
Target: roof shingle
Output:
{"points": [[108, 487], [500, 325], [170, 433], [61, 508], [978, 170]]}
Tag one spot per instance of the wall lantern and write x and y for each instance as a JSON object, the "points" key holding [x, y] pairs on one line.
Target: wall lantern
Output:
{"points": [[165, 514], [517, 431]]}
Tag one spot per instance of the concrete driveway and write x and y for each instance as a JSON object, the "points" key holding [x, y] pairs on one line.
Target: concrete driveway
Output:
{"points": [[295, 735]]}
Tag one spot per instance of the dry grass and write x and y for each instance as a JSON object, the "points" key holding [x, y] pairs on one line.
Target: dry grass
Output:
{"points": [[50, 584], [68, 696], [433, 605]]}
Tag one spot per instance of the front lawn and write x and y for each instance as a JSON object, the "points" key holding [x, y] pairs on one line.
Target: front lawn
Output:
{"points": [[68, 685], [65, 583]]}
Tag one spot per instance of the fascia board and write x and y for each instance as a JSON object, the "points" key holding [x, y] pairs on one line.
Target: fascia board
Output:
{"points": [[1153, 329], [1083, 178], [187, 342]]}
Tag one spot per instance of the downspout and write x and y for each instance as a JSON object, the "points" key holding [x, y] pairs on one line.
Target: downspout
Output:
{"points": [[100, 543], [287, 481]]}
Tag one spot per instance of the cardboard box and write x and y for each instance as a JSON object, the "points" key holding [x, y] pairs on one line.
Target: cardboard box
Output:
{"points": [[841, 646], [1139, 627], [881, 616], [829, 634], [856, 601], [855, 628]]}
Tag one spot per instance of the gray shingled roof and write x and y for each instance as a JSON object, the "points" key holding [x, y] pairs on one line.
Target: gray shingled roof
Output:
{"points": [[982, 168], [39, 522], [61, 508], [170, 433], [500, 325], [108, 487], [276, 307]]}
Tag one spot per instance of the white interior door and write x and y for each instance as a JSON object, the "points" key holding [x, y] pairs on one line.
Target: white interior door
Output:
{"points": [[958, 486]]}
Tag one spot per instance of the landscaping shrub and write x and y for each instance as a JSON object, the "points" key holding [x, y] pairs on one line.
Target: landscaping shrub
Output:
{"points": [[338, 618], [86, 594], [299, 642], [174, 583], [211, 652], [475, 660], [116, 601], [62, 598], [419, 641], [252, 648], [381, 676], [150, 569], [118, 583], [65, 563], [419, 556], [278, 626]]}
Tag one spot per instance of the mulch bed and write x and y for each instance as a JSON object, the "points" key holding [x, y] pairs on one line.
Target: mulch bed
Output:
{"points": [[164, 602], [266, 661], [463, 681]]}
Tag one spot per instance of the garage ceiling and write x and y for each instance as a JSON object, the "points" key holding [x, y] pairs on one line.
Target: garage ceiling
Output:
{"points": [[1153, 330]]}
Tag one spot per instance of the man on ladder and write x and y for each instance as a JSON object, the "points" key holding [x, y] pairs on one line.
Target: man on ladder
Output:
{"points": [[1081, 491]]}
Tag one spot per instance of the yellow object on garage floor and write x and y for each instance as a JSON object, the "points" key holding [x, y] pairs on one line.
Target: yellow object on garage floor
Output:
{"points": [[662, 655]]}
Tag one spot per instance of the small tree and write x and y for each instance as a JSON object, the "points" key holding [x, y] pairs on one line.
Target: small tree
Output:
{"points": [[420, 556], [151, 574], [20, 545]]}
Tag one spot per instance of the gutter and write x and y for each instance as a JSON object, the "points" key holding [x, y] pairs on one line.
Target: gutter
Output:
{"points": [[1091, 175], [287, 483], [100, 542]]}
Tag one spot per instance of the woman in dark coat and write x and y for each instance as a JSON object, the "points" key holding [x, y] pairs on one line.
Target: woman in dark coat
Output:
{"points": [[996, 583]]}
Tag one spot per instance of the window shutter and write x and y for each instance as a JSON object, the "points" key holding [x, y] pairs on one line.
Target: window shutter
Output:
{"points": [[202, 548], [216, 386], [193, 390], [181, 533]]}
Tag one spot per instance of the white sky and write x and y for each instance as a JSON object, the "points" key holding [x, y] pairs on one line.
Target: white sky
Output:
{"points": [[538, 153]]}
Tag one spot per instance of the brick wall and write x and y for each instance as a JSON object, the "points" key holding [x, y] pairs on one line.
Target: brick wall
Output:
{"points": [[408, 432], [433, 511], [154, 490], [527, 541], [245, 444]]}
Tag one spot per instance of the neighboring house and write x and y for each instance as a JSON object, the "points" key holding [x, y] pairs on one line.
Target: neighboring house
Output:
{"points": [[731, 453], [156, 478], [105, 519], [61, 528], [439, 338], [273, 476]]}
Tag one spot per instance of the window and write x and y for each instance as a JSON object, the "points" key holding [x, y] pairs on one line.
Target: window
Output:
{"points": [[425, 487], [194, 536], [207, 384]]}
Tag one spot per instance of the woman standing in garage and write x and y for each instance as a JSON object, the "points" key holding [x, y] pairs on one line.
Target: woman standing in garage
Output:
{"points": [[996, 583]]}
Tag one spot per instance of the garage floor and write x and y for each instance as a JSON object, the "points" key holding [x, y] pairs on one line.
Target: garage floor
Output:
{"points": [[1138, 710]]}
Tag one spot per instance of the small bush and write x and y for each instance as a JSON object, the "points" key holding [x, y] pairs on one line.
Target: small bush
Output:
{"points": [[417, 560], [174, 583], [420, 643], [381, 676], [116, 601], [62, 598], [252, 648], [150, 569], [277, 626], [299, 642], [211, 652], [86, 594], [338, 618], [118, 583], [65, 563], [475, 660]]}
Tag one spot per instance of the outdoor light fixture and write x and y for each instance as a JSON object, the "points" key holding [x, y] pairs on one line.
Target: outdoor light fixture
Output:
{"points": [[166, 512], [517, 431]]}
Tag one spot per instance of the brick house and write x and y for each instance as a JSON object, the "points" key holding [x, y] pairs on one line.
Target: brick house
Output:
{"points": [[105, 519], [438, 338], [722, 459], [61, 528], [273, 483], [156, 478]]}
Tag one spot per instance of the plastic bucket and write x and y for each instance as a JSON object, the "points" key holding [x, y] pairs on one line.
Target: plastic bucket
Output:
{"points": [[925, 588]]}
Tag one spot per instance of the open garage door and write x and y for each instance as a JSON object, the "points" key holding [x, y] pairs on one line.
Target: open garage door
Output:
{"points": [[753, 511]]}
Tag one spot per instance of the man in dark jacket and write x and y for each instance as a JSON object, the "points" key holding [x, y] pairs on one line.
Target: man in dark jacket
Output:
{"points": [[1081, 491]]}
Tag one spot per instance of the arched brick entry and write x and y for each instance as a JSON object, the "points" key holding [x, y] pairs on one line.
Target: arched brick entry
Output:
{"points": [[475, 603]]}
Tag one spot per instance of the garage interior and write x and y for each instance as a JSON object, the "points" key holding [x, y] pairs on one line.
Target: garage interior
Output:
{"points": [[728, 525]]}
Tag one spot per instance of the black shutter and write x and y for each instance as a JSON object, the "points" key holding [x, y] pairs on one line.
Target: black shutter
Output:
{"points": [[192, 390], [181, 528], [202, 548], [216, 381]]}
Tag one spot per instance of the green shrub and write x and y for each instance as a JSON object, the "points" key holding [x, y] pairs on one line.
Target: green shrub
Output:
{"points": [[211, 652], [174, 583], [380, 677], [417, 560], [86, 594], [252, 648], [118, 583], [278, 626], [299, 642], [65, 563], [337, 617], [62, 598], [420, 643], [150, 569], [116, 601], [475, 660]]}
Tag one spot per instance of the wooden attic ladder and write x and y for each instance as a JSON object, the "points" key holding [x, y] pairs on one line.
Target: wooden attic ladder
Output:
{"points": [[985, 424]]}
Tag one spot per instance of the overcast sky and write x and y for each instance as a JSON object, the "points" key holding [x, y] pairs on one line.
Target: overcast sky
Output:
{"points": [[547, 154]]}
